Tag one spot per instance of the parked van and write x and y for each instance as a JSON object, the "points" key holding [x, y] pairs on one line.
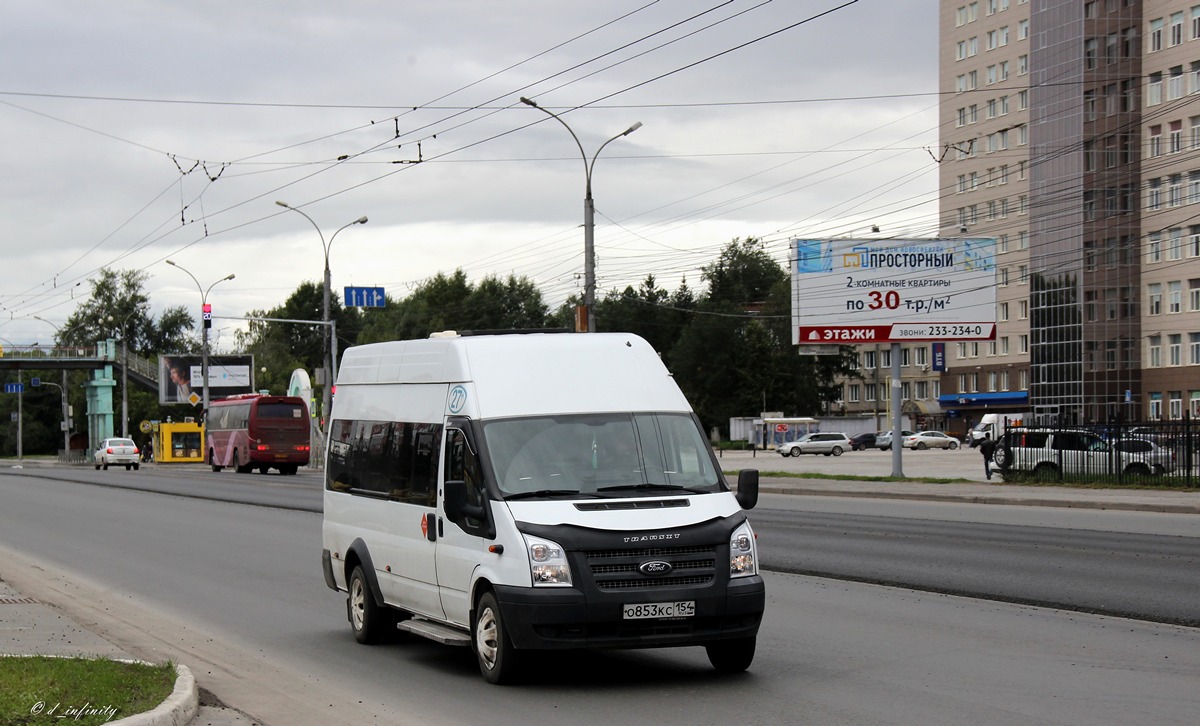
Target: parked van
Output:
{"points": [[993, 425], [525, 492]]}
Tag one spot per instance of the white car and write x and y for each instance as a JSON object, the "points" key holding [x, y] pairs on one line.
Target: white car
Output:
{"points": [[829, 444], [117, 451], [930, 440]]}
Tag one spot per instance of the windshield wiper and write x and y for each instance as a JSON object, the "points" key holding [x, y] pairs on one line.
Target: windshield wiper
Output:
{"points": [[548, 493], [652, 487]]}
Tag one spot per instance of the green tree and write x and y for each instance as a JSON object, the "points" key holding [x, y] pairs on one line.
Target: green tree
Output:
{"points": [[451, 302], [649, 311], [735, 357]]}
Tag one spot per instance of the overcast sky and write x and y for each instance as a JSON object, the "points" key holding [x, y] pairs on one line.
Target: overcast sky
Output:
{"points": [[140, 131]]}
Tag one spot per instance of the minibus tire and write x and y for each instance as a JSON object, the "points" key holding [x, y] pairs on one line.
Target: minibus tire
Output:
{"points": [[731, 656], [368, 621], [493, 648]]}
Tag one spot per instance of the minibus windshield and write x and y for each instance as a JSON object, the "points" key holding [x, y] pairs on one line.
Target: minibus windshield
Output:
{"points": [[612, 454]]}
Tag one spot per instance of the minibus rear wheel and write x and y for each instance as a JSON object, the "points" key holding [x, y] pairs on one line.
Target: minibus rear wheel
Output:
{"points": [[369, 622]]}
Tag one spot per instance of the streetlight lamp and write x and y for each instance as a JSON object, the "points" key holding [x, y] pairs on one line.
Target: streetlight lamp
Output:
{"points": [[203, 327], [330, 353], [589, 210]]}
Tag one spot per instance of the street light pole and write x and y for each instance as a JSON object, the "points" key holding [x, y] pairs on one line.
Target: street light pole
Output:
{"points": [[589, 213], [330, 353], [203, 327], [125, 373], [66, 405]]}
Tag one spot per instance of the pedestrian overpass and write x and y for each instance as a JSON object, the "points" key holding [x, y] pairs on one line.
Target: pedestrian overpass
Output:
{"points": [[104, 361]]}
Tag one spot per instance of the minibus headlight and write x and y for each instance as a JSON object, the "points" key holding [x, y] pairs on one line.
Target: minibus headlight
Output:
{"points": [[547, 563], [743, 552]]}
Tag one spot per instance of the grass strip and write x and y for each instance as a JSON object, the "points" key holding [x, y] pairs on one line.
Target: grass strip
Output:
{"points": [[85, 691]]}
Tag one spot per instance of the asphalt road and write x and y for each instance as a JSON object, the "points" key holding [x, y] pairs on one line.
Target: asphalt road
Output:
{"points": [[237, 589]]}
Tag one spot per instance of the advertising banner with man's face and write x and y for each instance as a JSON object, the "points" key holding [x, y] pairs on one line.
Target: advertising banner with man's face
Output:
{"points": [[181, 377]]}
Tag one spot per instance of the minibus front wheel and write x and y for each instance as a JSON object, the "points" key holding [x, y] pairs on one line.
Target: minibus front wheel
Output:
{"points": [[493, 647]]}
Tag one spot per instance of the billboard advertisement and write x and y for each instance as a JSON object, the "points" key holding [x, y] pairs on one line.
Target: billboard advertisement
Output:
{"points": [[180, 377], [851, 291]]}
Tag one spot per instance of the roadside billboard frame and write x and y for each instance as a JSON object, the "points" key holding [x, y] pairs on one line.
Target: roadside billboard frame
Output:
{"points": [[853, 291]]}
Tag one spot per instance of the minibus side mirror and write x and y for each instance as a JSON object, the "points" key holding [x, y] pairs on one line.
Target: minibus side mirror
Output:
{"points": [[747, 488], [456, 505]]}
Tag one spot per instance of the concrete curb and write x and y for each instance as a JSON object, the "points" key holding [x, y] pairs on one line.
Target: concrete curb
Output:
{"points": [[180, 708]]}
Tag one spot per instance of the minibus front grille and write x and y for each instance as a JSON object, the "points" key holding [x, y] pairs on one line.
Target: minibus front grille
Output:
{"points": [[658, 583], [618, 569]]}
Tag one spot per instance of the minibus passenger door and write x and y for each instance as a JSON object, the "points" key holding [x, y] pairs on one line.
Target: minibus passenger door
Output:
{"points": [[463, 522]]}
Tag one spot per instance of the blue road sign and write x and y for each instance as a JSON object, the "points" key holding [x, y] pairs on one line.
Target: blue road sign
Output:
{"points": [[14, 387], [365, 297], [35, 381]]}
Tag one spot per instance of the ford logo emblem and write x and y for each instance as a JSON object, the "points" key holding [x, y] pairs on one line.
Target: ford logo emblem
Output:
{"points": [[654, 568]]}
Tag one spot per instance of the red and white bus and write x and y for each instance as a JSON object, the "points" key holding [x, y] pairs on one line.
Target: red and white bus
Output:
{"points": [[253, 431]]}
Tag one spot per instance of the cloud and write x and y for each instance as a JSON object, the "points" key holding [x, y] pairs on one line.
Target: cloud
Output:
{"points": [[169, 130]]}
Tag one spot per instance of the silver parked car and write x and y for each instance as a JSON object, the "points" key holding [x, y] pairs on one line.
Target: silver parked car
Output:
{"points": [[829, 444], [883, 441], [117, 451], [1160, 459]]}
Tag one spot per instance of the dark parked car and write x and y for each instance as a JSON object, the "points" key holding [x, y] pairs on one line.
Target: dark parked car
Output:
{"points": [[859, 442]]}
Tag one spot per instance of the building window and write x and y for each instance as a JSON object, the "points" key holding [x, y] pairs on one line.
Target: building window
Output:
{"points": [[1175, 351], [1155, 146], [1022, 348], [1154, 89], [1194, 295], [1154, 247], [1176, 35], [871, 392], [1176, 403], [1154, 298], [1022, 29], [1175, 296], [853, 393], [1156, 35], [1022, 309], [1175, 83], [1194, 348], [1155, 349]]}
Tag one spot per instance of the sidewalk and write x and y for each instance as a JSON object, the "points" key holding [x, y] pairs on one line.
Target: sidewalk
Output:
{"points": [[29, 627]]}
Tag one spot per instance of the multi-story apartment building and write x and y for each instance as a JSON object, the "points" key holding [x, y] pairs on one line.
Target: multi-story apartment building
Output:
{"points": [[984, 180], [1071, 134], [1170, 233]]}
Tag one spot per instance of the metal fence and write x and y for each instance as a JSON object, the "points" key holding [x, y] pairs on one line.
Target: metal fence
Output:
{"points": [[1158, 453]]}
